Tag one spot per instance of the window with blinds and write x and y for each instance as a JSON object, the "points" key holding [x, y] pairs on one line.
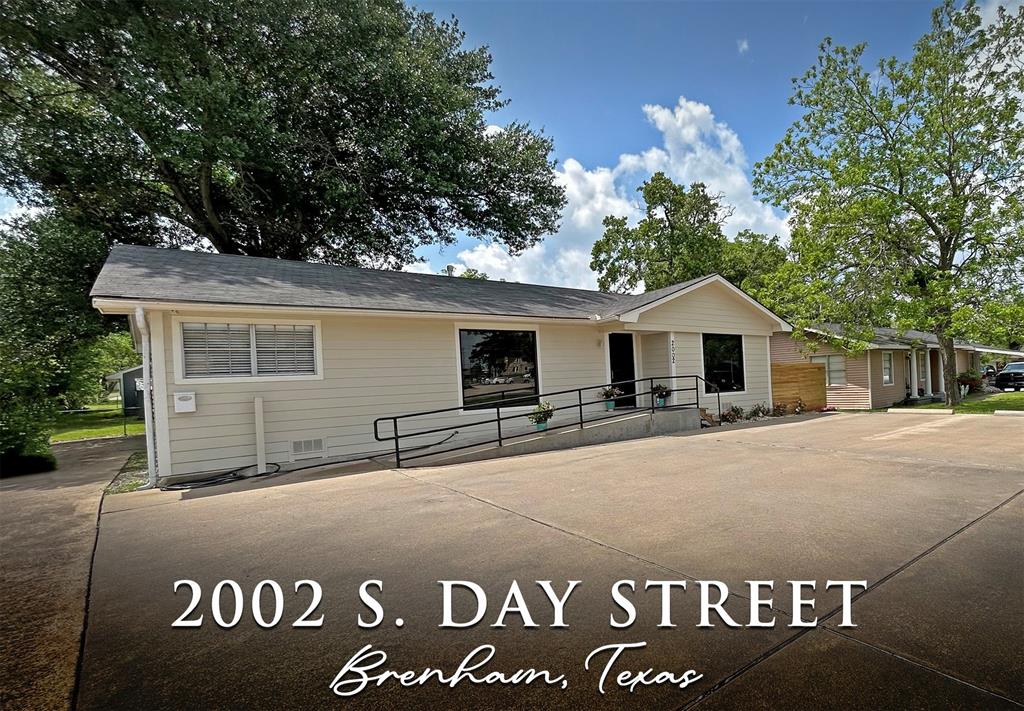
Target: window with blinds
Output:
{"points": [[212, 350], [216, 350], [285, 350]]}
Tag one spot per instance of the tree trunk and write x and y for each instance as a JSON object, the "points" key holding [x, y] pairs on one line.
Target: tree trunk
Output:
{"points": [[950, 384]]}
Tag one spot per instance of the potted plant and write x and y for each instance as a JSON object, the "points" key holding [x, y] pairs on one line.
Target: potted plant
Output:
{"points": [[608, 394], [660, 393], [541, 414]]}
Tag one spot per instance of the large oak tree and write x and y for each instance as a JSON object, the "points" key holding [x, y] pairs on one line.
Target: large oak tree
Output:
{"points": [[346, 131]]}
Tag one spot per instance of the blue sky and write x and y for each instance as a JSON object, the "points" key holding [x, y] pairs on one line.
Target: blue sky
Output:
{"points": [[697, 89]]}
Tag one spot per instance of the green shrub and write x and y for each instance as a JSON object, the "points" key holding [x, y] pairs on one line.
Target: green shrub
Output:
{"points": [[779, 409], [734, 413], [758, 411], [972, 379]]}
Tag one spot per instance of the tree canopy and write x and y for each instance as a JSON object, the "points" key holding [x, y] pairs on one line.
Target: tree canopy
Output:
{"points": [[342, 132], [904, 182], [47, 326], [680, 237]]}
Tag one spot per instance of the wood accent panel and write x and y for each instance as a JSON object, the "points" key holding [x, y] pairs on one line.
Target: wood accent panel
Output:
{"points": [[805, 381]]}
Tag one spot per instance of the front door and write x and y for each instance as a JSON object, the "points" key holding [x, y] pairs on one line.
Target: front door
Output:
{"points": [[620, 360]]}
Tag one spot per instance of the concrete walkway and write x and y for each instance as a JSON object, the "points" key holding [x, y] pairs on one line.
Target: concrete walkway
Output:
{"points": [[929, 510], [47, 532]]}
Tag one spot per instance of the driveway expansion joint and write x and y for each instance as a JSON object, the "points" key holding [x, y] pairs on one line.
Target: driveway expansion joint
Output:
{"points": [[921, 665], [725, 681]]}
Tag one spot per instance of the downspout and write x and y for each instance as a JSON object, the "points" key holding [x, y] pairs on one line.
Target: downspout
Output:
{"points": [[147, 397]]}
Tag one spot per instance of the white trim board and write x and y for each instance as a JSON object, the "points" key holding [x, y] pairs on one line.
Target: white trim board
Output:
{"points": [[493, 326], [743, 353], [176, 342]]}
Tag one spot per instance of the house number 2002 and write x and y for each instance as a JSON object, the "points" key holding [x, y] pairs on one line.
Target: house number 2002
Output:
{"points": [[237, 605]]}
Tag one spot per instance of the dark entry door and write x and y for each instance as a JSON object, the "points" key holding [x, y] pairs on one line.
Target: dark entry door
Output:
{"points": [[620, 358]]}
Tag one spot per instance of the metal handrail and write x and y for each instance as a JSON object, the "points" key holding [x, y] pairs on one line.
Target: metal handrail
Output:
{"points": [[501, 438]]}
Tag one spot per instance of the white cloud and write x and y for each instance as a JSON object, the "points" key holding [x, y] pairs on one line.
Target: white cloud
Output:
{"points": [[742, 46], [697, 147], [542, 264], [694, 147], [419, 268], [989, 9]]}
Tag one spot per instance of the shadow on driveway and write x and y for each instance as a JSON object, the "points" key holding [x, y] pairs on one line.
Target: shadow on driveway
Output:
{"points": [[47, 533]]}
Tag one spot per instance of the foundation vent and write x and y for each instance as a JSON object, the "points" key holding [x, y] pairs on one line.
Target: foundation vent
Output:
{"points": [[308, 448]]}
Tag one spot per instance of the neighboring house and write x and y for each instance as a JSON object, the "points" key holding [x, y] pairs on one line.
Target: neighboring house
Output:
{"points": [[894, 365], [129, 383], [254, 359]]}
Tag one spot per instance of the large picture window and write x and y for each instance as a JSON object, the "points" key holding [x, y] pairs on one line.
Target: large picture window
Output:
{"points": [[498, 367], [723, 363], [217, 350], [835, 368]]}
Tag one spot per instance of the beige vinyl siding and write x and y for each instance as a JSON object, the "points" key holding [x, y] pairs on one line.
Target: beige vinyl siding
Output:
{"points": [[887, 395], [854, 395], [373, 367], [654, 350], [710, 309], [571, 357], [967, 360], [654, 347], [377, 366]]}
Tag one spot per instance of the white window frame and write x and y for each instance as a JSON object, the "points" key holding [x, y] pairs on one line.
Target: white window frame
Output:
{"points": [[492, 326], [743, 350], [178, 350], [828, 368], [892, 369]]}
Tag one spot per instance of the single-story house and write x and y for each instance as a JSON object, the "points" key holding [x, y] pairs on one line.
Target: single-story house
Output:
{"points": [[896, 364], [129, 383], [258, 360]]}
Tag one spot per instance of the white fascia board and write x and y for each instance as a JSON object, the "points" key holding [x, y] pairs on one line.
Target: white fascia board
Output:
{"points": [[111, 306], [996, 351], [634, 315]]}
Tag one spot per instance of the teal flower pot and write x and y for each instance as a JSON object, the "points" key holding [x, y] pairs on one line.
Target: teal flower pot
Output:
{"points": [[541, 426]]}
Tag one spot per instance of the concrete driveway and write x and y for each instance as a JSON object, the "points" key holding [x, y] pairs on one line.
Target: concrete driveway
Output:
{"points": [[927, 509], [47, 532]]}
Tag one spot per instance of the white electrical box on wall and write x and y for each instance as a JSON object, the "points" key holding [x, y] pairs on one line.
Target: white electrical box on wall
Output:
{"points": [[184, 402]]}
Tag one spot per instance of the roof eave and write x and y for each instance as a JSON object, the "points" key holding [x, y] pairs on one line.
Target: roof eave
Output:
{"points": [[115, 305]]}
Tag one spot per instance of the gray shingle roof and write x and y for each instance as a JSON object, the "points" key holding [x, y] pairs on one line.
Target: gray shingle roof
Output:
{"points": [[894, 338], [155, 274]]}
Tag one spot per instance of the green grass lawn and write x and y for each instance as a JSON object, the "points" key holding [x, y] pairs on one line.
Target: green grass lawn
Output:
{"points": [[982, 404], [100, 421]]}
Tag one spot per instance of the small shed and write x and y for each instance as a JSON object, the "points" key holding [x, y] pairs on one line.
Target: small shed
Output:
{"points": [[129, 382]]}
